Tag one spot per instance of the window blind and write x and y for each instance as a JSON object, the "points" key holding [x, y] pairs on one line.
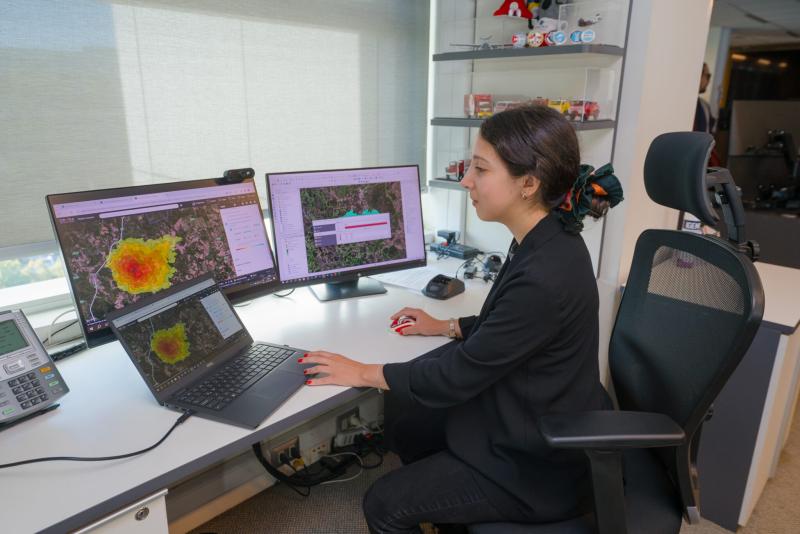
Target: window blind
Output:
{"points": [[103, 94]]}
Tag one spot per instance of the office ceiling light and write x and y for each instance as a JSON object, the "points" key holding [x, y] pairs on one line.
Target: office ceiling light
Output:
{"points": [[783, 64], [763, 61], [738, 57]]}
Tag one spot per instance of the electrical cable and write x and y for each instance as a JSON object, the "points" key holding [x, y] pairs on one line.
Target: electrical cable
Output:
{"points": [[272, 470], [304, 479], [179, 421], [61, 354], [58, 331], [59, 316], [360, 470], [279, 295], [464, 264]]}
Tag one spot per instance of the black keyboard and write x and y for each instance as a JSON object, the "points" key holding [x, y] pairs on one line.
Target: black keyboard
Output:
{"points": [[228, 383]]}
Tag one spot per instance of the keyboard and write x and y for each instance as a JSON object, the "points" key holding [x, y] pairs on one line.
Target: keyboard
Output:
{"points": [[222, 388]]}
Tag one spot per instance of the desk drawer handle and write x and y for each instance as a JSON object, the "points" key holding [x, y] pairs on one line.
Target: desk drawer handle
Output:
{"points": [[142, 513]]}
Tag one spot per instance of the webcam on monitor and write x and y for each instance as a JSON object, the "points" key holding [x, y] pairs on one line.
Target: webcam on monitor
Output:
{"points": [[235, 176]]}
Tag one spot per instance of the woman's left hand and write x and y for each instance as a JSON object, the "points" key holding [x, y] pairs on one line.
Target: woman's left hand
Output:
{"points": [[342, 371]]}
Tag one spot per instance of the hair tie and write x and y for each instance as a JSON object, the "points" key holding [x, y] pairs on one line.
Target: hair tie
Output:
{"points": [[593, 193]]}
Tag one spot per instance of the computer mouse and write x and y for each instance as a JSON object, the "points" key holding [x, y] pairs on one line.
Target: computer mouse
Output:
{"points": [[401, 323], [443, 287]]}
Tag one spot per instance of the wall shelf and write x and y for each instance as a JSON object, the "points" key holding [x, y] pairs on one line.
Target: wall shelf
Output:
{"points": [[476, 123], [510, 53], [442, 183]]}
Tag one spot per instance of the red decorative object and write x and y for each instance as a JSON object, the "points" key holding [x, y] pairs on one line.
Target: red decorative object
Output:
{"points": [[514, 8]]}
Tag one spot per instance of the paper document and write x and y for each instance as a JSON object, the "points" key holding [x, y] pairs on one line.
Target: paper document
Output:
{"points": [[416, 278]]}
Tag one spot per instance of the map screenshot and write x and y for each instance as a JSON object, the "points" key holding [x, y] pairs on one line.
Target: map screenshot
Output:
{"points": [[119, 248], [329, 222], [352, 225]]}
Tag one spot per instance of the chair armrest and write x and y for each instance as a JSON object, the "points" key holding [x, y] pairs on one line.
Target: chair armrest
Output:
{"points": [[608, 429]]}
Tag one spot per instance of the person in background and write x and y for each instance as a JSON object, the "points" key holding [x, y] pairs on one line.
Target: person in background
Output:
{"points": [[704, 120], [463, 417]]}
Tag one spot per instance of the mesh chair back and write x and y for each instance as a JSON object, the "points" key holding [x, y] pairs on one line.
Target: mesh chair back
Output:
{"points": [[689, 312]]}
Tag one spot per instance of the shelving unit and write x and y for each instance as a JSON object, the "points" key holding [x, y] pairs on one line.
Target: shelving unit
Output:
{"points": [[590, 72], [509, 53], [475, 123], [441, 183]]}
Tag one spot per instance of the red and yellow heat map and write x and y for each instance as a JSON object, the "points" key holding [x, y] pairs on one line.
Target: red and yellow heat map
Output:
{"points": [[170, 344], [143, 265]]}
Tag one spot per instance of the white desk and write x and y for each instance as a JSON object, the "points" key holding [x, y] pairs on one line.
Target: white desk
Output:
{"points": [[109, 409], [741, 444], [781, 315]]}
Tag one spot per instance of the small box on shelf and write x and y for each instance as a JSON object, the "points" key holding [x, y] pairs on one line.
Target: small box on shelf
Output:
{"points": [[477, 105]]}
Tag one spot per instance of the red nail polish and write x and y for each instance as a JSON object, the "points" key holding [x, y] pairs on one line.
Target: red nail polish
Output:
{"points": [[299, 360], [305, 371], [308, 382], [304, 355]]}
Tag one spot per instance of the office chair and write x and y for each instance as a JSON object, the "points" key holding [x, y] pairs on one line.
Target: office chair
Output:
{"points": [[688, 314]]}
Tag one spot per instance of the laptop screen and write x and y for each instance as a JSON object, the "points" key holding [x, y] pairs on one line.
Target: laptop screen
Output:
{"points": [[183, 331]]}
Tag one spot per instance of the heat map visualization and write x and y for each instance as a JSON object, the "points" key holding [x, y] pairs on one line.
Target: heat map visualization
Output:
{"points": [[116, 260]]}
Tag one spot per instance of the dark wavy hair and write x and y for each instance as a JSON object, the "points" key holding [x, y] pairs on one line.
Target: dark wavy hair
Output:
{"points": [[538, 141]]}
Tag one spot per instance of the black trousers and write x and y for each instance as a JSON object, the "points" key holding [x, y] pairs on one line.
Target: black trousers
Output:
{"points": [[433, 485]]}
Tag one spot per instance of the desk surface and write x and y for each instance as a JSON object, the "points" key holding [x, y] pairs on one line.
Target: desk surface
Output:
{"points": [[782, 296], [109, 409]]}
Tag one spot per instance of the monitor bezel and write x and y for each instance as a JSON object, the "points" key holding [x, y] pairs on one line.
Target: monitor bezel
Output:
{"points": [[354, 274], [105, 335]]}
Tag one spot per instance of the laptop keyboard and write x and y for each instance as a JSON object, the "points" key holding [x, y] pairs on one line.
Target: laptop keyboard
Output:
{"points": [[239, 374]]}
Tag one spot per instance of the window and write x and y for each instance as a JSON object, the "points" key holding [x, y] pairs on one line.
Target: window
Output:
{"points": [[102, 93], [20, 271]]}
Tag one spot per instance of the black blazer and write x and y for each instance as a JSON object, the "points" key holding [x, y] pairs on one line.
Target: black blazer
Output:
{"points": [[531, 351]]}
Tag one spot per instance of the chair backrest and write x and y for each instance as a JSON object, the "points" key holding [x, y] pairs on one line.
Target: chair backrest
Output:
{"points": [[691, 307]]}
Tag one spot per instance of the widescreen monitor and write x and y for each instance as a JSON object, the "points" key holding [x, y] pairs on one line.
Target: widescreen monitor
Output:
{"points": [[121, 244], [332, 228]]}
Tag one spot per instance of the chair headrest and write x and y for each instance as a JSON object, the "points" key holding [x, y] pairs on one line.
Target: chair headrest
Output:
{"points": [[675, 173]]}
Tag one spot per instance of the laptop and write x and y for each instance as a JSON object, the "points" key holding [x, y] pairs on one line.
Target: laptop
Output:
{"points": [[195, 354]]}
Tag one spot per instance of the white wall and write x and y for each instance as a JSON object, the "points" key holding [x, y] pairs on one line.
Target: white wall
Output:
{"points": [[665, 54], [664, 59]]}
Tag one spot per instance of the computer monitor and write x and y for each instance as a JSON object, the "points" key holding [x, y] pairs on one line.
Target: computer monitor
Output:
{"points": [[121, 244], [334, 227]]}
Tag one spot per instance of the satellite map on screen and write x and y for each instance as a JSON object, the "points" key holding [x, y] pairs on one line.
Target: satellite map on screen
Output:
{"points": [[116, 259], [335, 204]]}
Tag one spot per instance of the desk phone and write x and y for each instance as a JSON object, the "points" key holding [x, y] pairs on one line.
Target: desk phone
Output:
{"points": [[29, 382]]}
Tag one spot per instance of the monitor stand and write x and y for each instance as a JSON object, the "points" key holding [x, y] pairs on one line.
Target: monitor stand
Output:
{"points": [[349, 289]]}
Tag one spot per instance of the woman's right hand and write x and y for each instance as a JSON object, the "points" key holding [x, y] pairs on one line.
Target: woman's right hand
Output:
{"points": [[425, 325]]}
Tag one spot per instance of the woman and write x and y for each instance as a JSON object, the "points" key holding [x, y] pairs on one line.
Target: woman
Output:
{"points": [[463, 417]]}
